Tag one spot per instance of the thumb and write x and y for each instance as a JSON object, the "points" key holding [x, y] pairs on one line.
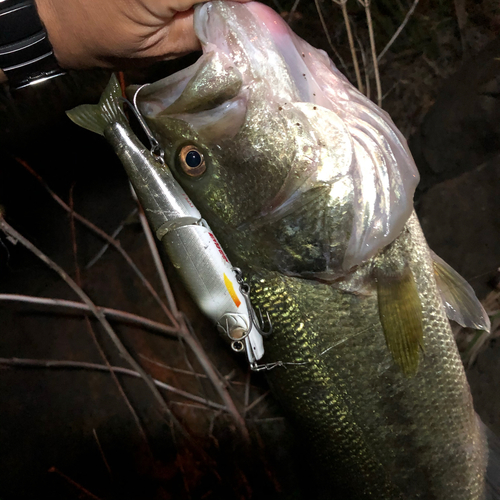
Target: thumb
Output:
{"points": [[166, 9], [178, 36]]}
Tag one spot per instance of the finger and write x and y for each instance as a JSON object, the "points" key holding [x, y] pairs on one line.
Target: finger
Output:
{"points": [[178, 36], [175, 39], [182, 5]]}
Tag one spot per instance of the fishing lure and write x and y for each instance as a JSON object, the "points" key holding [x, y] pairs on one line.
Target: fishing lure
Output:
{"points": [[215, 285]]}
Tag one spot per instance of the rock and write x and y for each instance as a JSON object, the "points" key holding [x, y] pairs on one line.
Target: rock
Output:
{"points": [[462, 129], [461, 223]]}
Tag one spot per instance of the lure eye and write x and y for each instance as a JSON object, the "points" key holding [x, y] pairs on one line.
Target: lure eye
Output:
{"points": [[192, 161]]}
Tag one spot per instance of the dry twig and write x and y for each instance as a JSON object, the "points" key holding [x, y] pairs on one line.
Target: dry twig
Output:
{"points": [[99, 232], [166, 287], [289, 18], [399, 30], [247, 388], [123, 316], [354, 56], [180, 370], [103, 456], [173, 369], [461, 13], [327, 34], [366, 5], [256, 401], [365, 66], [83, 365], [10, 231], [156, 259], [93, 336], [114, 235], [79, 487]]}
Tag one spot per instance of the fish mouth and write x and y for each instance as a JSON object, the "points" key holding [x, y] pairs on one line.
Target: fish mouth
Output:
{"points": [[208, 95], [234, 39], [212, 94], [248, 47], [155, 97]]}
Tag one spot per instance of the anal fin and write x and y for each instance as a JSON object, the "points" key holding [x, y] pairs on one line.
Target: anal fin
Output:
{"points": [[400, 313]]}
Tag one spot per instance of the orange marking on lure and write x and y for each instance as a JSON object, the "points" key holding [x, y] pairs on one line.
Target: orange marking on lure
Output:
{"points": [[232, 292]]}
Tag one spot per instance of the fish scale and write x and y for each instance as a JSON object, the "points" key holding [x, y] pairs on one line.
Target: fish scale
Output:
{"points": [[310, 392], [348, 397]]}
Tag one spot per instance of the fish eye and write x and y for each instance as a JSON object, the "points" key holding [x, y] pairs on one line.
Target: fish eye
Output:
{"points": [[192, 161]]}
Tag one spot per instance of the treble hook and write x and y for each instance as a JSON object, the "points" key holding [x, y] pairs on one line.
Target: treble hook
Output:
{"points": [[258, 323], [264, 333]]}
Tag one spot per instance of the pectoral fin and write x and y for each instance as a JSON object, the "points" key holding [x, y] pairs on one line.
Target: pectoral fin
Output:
{"points": [[459, 299], [400, 313]]}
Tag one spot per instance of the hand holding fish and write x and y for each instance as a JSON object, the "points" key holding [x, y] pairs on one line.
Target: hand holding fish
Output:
{"points": [[118, 33]]}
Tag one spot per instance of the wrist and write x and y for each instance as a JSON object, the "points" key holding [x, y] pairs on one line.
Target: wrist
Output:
{"points": [[80, 31], [26, 56], [48, 16]]}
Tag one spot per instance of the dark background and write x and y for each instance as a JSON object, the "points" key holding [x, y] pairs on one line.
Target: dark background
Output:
{"points": [[68, 433]]}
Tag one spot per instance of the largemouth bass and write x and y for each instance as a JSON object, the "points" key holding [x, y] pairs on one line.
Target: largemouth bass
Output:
{"points": [[308, 186]]}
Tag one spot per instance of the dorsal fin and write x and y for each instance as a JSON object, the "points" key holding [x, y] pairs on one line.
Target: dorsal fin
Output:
{"points": [[459, 299]]}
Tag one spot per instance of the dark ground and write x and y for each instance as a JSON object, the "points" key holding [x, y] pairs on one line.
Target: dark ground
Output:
{"points": [[68, 434]]}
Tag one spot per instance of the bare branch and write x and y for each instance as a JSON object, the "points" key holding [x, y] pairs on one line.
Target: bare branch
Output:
{"points": [[254, 403], [327, 34], [247, 388], [10, 231], [101, 451], [172, 368], [399, 30], [354, 56], [270, 419], [366, 5], [218, 382], [110, 313], [365, 64], [82, 365], [93, 336], [289, 18], [461, 13], [114, 234], [156, 258], [74, 483], [277, 5], [115, 244], [180, 370]]}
